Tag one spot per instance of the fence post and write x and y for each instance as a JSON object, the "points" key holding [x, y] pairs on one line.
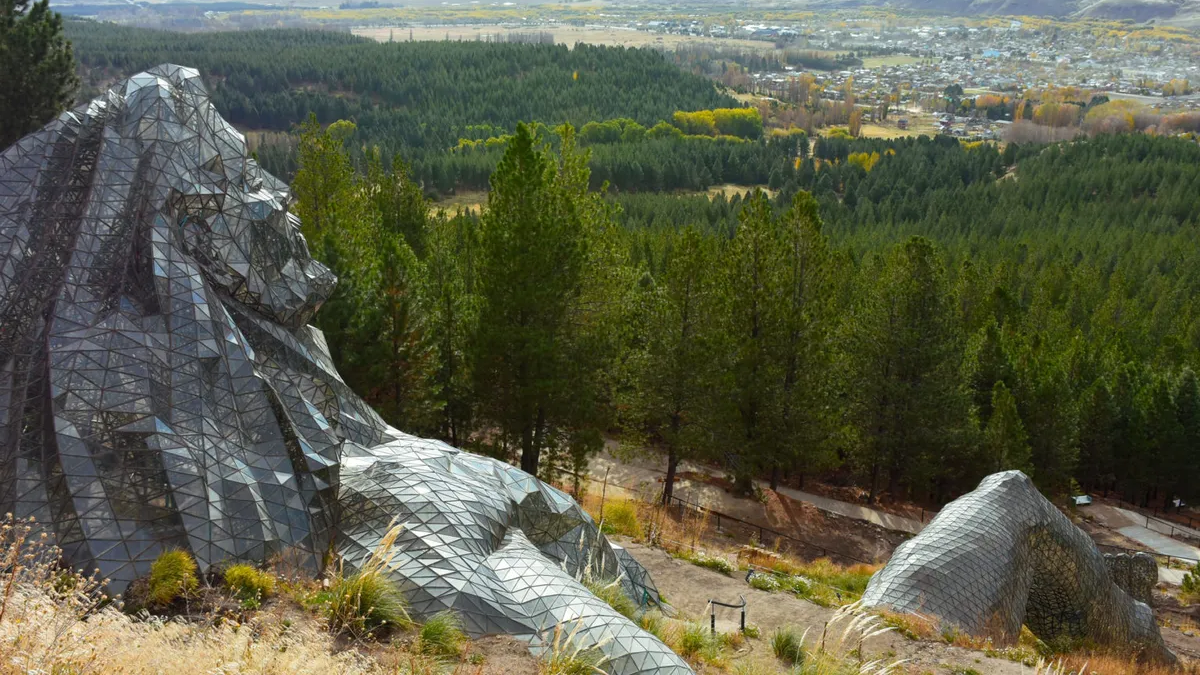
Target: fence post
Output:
{"points": [[712, 618], [743, 615]]}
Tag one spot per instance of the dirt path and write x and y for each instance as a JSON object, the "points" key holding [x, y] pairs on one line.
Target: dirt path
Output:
{"points": [[689, 588], [647, 470], [823, 533]]}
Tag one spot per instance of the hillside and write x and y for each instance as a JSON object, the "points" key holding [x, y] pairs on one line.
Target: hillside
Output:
{"points": [[1174, 11]]}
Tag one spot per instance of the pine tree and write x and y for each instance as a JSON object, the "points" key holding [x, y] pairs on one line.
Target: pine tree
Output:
{"points": [[541, 340], [749, 287], [907, 400], [1097, 416], [1187, 411], [375, 321], [987, 365], [674, 370], [38, 67], [801, 352], [325, 179], [1165, 442], [1006, 446], [452, 262], [393, 358]]}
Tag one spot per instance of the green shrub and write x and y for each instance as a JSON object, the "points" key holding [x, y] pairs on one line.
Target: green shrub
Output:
{"points": [[364, 603], [716, 564], [442, 635], [693, 639], [652, 623], [249, 584], [1189, 588], [765, 582], [621, 517], [172, 576], [788, 646], [612, 593]]}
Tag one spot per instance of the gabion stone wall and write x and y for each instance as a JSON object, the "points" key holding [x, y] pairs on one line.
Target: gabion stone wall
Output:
{"points": [[160, 386], [1003, 556], [1134, 573]]}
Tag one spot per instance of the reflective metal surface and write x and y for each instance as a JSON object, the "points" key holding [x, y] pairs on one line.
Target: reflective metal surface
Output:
{"points": [[1003, 556]]}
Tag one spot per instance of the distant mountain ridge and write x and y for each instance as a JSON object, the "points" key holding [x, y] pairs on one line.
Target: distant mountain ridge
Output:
{"points": [[1137, 10]]}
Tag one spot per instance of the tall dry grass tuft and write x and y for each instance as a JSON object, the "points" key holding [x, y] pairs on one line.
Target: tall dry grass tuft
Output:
{"points": [[564, 654], [367, 602], [841, 645], [1101, 663]]}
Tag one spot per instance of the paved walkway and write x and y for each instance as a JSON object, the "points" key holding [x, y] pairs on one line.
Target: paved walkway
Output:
{"points": [[856, 511], [643, 470], [1167, 527], [1131, 525], [1160, 543]]}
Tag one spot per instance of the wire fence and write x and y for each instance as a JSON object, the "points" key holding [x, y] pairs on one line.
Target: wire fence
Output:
{"points": [[764, 535], [1176, 525], [732, 526]]}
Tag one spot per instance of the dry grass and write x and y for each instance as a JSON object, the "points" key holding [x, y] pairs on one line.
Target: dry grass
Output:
{"points": [[729, 190], [465, 200], [911, 626], [56, 621], [43, 628], [567, 35], [1183, 624], [688, 535], [1095, 663], [873, 62], [886, 131], [1029, 650], [642, 518], [565, 655]]}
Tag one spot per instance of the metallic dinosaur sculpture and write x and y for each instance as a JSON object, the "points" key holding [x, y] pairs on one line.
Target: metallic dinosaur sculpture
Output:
{"points": [[1003, 556], [160, 386]]}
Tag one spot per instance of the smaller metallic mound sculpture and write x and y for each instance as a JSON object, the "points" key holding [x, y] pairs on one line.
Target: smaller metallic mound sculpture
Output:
{"points": [[1003, 556]]}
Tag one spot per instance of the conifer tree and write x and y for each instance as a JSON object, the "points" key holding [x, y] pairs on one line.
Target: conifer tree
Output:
{"points": [[38, 78], [673, 372], [1005, 443]]}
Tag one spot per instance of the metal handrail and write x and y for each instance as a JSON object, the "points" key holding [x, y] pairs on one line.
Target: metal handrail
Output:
{"points": [[712, 613]]}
